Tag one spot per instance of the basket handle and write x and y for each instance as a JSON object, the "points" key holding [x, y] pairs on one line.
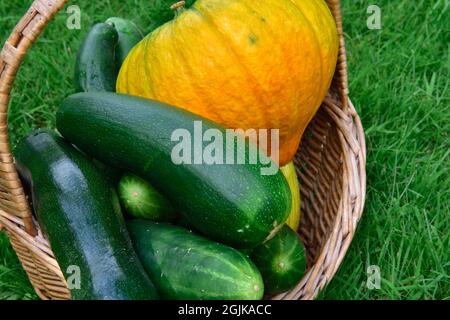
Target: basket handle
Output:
{"points": [[12, 196], [341, 67]]}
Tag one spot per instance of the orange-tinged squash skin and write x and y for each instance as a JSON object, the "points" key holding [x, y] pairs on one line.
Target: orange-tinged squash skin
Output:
{"points": [[242, 63]]}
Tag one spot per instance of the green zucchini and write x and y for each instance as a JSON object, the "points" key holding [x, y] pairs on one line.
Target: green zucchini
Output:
{"points": [[233, 204], [281, 261], [184, 223], [80, 214], [141, 200], [113, 175], [189, 267], [96, 67], [129, 35]]}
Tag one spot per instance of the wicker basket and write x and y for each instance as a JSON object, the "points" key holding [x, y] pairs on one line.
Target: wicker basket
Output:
{"points": [[330, 165]]}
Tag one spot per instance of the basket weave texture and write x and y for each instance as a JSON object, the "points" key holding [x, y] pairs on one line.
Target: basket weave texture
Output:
{"points": [[330, 165]]}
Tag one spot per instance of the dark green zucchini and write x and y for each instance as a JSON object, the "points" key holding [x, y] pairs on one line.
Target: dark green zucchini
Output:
{"points": [[80, 214], [189, 267], [96, 67], [281, 261], [184, 223], [113, 175], [230, 203], [129, 35]]}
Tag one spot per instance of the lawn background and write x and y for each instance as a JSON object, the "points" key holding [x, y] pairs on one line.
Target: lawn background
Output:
{"points": [[399, 82]]}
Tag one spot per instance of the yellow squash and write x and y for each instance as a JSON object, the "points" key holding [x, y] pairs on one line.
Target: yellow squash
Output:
{"points": [[243, 63], [291, 177]]}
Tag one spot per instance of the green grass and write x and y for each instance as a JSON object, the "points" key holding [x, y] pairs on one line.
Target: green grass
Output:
{"points": [[399, 82]]}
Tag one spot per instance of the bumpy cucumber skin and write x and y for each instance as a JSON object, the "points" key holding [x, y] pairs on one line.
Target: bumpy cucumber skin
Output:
{"points": [[281, 261], [233, 204], [141, 200], [80, 214], [184, 266], [96, 67], [129, 35]]}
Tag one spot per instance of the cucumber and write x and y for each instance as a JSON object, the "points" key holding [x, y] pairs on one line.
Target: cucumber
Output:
{"points": [[281, 261], [141, 200], [233, 204], [80, 214], [96, 67], [184, 266], [129, 35]]}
